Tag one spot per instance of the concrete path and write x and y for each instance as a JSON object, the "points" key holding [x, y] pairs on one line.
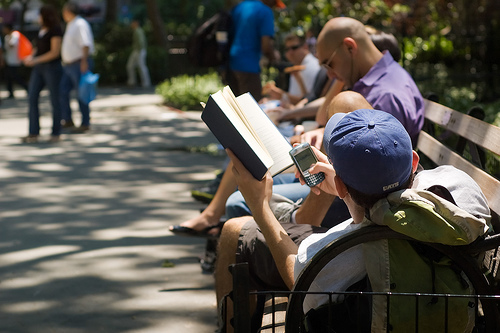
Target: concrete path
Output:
{"points": [[84, 222]]}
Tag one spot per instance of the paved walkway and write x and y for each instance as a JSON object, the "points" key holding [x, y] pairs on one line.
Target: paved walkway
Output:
{"points": [[84, 222]]}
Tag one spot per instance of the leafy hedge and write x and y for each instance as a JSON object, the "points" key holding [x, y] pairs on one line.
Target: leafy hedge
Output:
{"points": [[186, 92]]}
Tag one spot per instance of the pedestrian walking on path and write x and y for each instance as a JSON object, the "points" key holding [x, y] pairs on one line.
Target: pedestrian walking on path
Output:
{"points": [[137, 58]]}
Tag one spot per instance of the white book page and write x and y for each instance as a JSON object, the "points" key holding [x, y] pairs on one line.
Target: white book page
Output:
{"points": [[243, 129], [231, 100], [275, 143]]}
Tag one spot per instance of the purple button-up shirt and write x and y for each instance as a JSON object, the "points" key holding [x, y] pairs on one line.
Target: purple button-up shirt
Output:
{"points": [[388, 87]]}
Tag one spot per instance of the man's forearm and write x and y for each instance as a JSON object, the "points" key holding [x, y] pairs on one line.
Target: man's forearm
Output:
{"points": [[84, 65], [85, 52], [282, 247], [303, 112], [267, 47]]}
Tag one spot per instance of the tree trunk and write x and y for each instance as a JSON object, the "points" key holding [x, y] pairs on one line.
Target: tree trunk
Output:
{"points": [[24, 7], [160, 35], [111, 11]]}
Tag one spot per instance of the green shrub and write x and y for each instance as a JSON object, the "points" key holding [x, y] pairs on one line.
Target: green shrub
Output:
{"points": [[186, 92], [111, 65]]}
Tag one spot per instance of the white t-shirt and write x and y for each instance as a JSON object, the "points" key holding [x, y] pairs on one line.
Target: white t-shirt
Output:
{"points": [[78, 34], [349, 267], [308, 76], [11, 48]]}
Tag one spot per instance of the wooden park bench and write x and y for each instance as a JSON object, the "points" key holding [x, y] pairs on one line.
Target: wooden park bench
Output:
{"points": [[474, 142]]}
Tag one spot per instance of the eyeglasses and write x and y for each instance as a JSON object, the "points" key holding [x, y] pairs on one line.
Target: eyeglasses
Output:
{"points": [[293, 47], [326, 64]]}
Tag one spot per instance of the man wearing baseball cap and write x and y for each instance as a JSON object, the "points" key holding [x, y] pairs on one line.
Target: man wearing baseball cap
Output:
{"points": [[369, 157]]}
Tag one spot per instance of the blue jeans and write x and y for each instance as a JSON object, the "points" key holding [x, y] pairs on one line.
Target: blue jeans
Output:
{"points": [[285, 184], [71, 80], [46, 74]]}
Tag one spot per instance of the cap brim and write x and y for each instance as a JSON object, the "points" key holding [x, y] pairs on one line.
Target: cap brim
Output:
{"points": [[280, 4], [330, 126]]}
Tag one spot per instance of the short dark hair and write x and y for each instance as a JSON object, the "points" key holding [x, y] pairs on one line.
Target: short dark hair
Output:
{"points": [[294, 35], [72, 7], [50, 17], [385, 41], [368, 200]]}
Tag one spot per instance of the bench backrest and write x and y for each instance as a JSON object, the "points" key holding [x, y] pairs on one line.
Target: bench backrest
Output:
{"points": [[475, 131]]}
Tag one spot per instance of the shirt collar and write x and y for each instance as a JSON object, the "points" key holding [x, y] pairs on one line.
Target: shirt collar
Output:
{"points": [[377, 70]]}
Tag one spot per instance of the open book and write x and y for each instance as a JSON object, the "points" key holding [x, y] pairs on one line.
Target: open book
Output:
{"points": [[240, 125]]}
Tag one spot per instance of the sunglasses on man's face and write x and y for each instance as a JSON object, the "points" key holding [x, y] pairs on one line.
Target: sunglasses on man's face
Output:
{"points": [[327, 64], [293, 47]]}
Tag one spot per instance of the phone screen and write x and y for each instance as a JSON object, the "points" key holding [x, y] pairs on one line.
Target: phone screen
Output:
{"points": [[305, 159]]}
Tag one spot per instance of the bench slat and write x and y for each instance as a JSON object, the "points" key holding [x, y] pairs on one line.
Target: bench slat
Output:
{"points": [[473, 129], [440, 154]]}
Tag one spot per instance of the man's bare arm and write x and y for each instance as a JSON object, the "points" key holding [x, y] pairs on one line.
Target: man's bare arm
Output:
{"points": [[257, 195], [267, 46], [322, 114], [307, 111]]}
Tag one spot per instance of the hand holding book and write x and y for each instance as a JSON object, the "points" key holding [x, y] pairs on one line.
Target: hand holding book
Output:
{"points": [[240, 125]]}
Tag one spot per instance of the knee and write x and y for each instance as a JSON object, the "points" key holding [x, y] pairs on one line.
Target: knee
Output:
{"points": [[231, 232], [232, 227]]}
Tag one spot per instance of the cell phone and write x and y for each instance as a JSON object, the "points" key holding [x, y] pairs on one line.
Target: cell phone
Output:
{"points": [[303, 156]]}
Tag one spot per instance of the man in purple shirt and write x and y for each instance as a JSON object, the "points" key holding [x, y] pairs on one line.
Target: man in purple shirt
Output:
{"points": [[344, 48]]}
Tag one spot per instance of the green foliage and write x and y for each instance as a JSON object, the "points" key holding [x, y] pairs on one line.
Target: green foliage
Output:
{"points": [[180, 16], [433, 49], [158, 62], [186, 92], [113, 50], [110, 64], [111, 53]]}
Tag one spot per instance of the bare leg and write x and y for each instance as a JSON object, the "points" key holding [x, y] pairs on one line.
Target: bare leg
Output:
{"points": [[226, 255], [216, 208]]}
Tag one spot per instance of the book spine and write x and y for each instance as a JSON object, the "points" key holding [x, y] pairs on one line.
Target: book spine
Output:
{"points": [[229, 137]]}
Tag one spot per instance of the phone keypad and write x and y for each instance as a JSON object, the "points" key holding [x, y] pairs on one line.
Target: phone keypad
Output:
{"points": [[313, 179]]}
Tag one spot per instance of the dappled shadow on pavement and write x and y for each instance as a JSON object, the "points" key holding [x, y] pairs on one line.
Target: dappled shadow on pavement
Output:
{"points": [[84, 228]]}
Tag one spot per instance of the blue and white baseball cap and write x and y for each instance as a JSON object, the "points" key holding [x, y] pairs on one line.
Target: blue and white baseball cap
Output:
{"points": [[370, 150]]}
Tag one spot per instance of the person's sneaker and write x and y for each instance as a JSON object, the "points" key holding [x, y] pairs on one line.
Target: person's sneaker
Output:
{"points": [[206, 193], [81, 129], [67, 124], [32, 138], [54, 139]]}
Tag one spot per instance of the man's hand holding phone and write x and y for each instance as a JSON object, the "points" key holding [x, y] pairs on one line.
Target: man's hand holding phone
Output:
{"points": [[324, 166]]}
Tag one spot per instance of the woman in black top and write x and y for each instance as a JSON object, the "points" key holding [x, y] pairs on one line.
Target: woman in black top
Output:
{"points": [[47, 71]]}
